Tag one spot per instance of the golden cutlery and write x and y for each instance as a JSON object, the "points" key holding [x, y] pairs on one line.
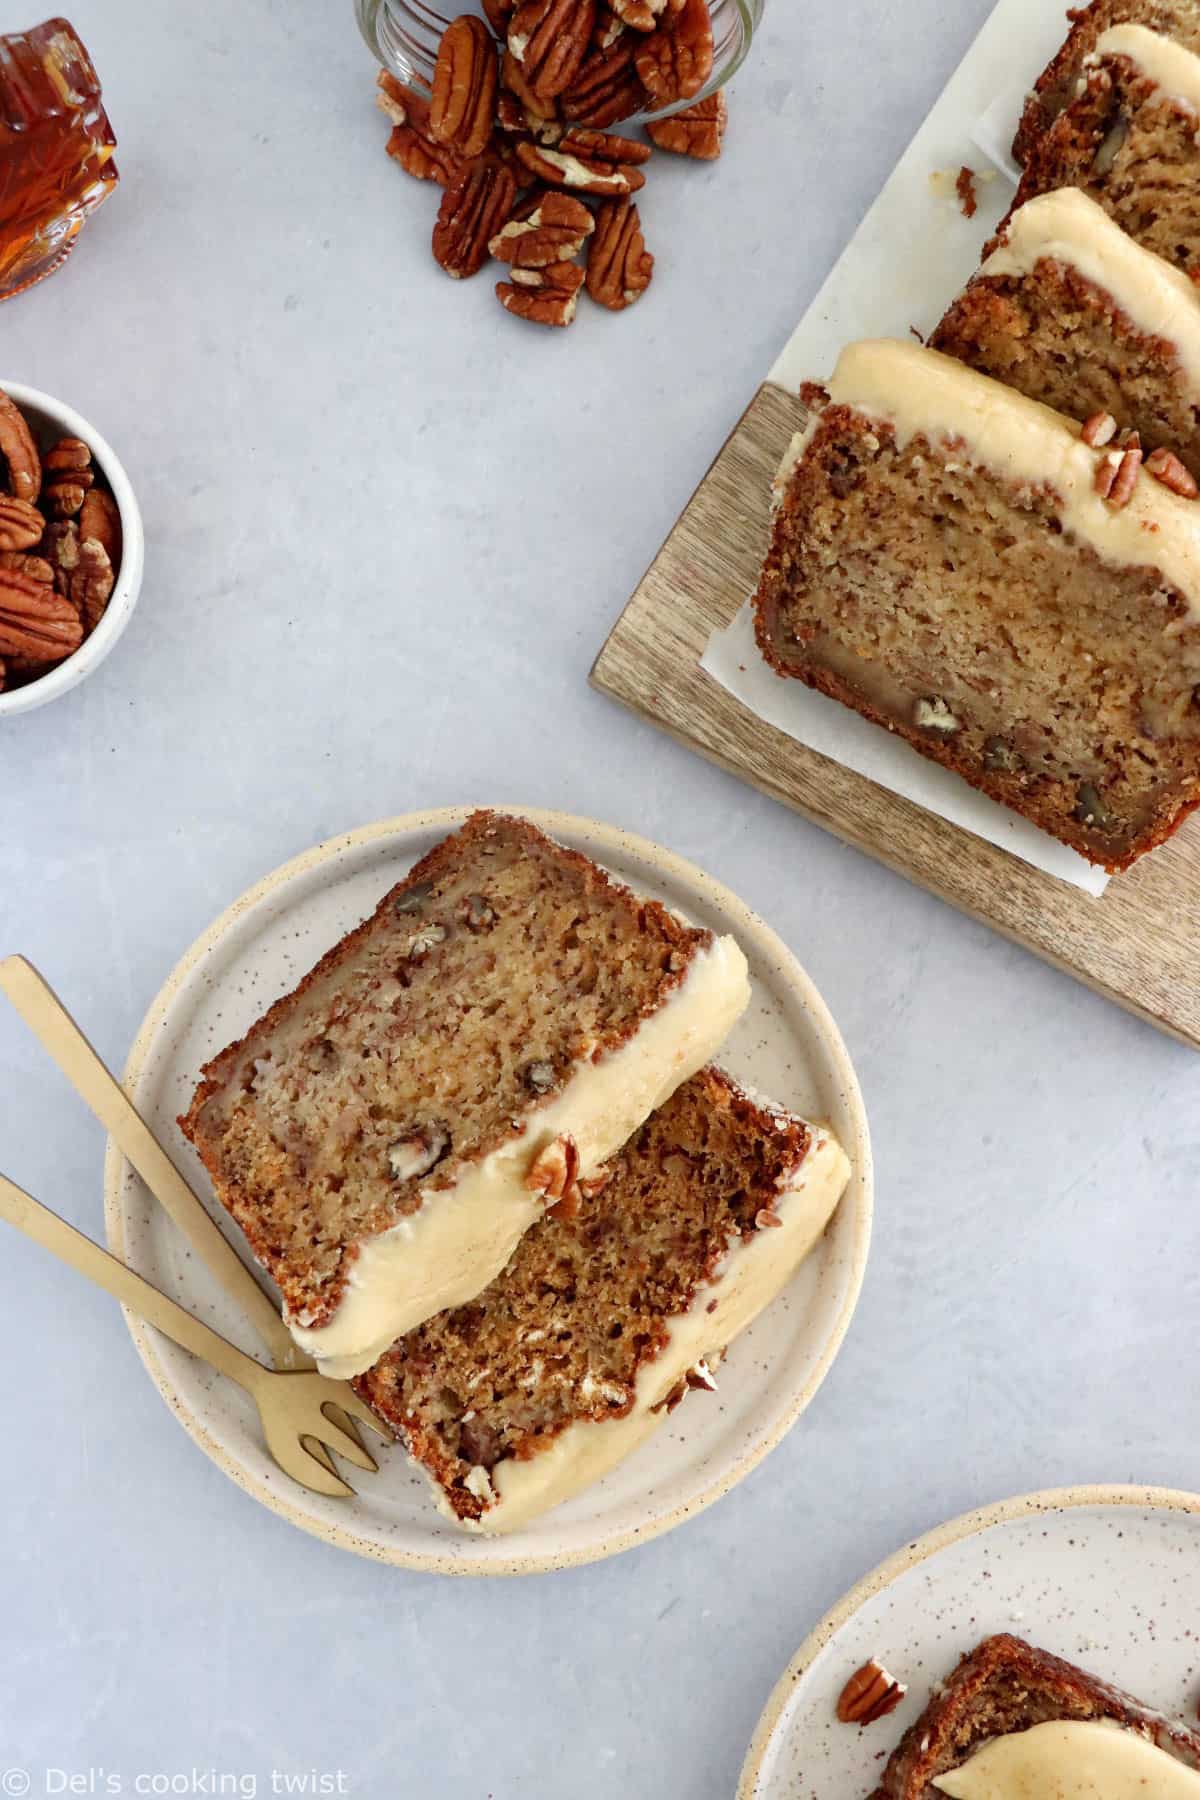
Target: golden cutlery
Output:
{"points": [[57, 1032], [292, 1405]]}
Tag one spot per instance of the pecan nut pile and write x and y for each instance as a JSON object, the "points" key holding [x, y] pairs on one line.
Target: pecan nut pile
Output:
{"points": [[59, 558], [517, 131]]}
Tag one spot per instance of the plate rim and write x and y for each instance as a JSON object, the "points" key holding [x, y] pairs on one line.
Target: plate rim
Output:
{"points": [[860, 1193], [918, 1550]]}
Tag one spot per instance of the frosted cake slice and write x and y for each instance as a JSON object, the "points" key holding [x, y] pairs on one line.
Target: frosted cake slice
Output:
{"points": [[377, 1134]]}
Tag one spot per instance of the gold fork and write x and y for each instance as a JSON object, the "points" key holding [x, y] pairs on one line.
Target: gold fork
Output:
{"points": [[293, 1406], [46, 1016]]}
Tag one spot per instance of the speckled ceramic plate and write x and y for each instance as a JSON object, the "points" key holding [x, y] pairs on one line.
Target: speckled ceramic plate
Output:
{"points": [[786, 1044], [1108, 1577]]}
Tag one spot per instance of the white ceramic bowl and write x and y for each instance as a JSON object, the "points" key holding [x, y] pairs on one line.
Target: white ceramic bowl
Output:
{"points": [[49, 420]]}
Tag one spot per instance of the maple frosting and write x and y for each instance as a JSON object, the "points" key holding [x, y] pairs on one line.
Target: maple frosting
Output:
{"points": [[460, 1238], [1071, 1759], [920, 393], [748, 1278], [1169, 66], [1067, 227]]}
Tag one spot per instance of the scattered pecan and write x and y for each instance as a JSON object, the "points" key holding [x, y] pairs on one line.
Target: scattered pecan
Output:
{"points": [[696, 132], [606, 89], [870, 1694], [619, 264], [964, 187], [642, 15], [21, 524], [549, 39], [1098, 430], [766, 1219], [60, 547], [67, 474], [465, 78], [18, 451], [548, 227], [515, 120], [512, 76], [592, 162], [476, 914], [412, 144], [419, 1151], [539, 1077], [474, 207], [552, 1174], [543, 296], [1166, 467], [35, 622], [1125, 473], [676, 60]]}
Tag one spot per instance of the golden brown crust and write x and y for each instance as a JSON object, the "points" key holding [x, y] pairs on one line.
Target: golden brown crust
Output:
{"points": [[842, 450], [585, 1302], [1006, 1685]]}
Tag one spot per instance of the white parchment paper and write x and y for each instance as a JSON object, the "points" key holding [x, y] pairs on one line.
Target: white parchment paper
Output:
{"points": [[909, 257]]}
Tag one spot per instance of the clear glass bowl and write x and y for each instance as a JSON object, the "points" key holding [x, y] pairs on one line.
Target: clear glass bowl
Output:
{"points": [[404, 35]]}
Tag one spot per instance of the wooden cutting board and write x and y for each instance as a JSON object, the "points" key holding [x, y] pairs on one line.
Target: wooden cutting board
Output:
{"points": [[1139, 944]]}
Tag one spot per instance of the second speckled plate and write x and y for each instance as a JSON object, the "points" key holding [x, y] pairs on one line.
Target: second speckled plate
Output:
{"points": [[1107, 1577], [786, 1044]]}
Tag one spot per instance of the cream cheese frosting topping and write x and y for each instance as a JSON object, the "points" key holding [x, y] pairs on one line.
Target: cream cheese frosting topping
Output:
{"points": [[1065, 226], [749, 1277], [1170, 67], [460, 1238], [921, 393], [1071, 1759]]}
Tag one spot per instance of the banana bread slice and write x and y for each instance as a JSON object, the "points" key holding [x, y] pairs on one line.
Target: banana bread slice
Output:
{"points": [[1006, 1687], [943, 562], [613, 1307], [1128, 139], [1071, 311], [1057, 84], [375, 1134]]}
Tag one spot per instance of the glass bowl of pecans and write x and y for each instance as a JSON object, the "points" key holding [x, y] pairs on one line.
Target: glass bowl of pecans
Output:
{"points": [[405, 35], [71, 548]]}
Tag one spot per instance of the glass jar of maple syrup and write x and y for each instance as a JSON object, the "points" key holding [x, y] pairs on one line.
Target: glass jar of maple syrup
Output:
{"points": [[405, 34], [56, 148]]}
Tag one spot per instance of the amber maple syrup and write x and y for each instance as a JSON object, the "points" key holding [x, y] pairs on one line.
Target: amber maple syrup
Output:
{"points": [[56, 147]]}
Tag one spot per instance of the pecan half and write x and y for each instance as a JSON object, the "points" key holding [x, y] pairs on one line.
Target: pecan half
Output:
{"points": [[474, 207], [34, 566], [100, 518], [548, 227], [90, 588], [592, 162], [1098, 430], [606, 89], [18, 451], [21, 524], [1166, 467], [697, 131], [512, 76], [553, 1173], [642, 15], [870, 1694], [549, 302], [67, 474], [549, 39], [35, 622], [619, 265], [465, 78], [412, 144], [675, 61]]}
